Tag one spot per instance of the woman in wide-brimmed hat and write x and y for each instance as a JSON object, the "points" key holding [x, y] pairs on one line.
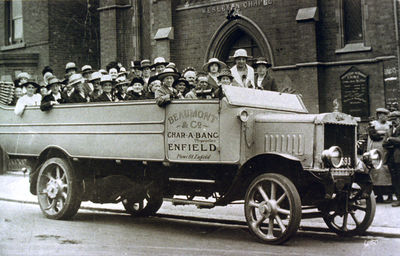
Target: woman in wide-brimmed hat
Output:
{"points": [[167, 92], [213, 67], [31, 98], [136, 89], [55, 97]]}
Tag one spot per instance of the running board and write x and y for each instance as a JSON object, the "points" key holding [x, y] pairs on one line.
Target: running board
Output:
{"points": [[199, 204], [192, 180]]}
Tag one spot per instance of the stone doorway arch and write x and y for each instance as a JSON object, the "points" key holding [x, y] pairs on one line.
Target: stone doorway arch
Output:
{"points": [[233, 33]]}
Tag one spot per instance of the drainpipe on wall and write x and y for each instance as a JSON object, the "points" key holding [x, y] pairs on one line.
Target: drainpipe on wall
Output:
{"points": [[396, 25]]}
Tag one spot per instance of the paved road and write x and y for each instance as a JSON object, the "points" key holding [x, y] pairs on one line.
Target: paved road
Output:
{"points": [[24, 231]]}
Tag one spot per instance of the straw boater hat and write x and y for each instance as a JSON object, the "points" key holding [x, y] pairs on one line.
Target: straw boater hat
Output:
{"points": [[225, 72], [211, 61], [240, 53], [262, 61], [87, 69], [23, 75], [122, 71], [168, 72], [159, 61], [122, 80], [52, 81], [382, 110], [145, 64], [75, 79], [106, 78], [95, 76], [70, 65]]}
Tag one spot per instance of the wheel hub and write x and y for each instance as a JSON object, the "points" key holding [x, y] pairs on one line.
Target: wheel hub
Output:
{"points": [[52, 189], [268, 208]]}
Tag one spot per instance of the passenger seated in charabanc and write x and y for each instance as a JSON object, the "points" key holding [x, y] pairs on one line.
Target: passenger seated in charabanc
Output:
{"points": [[182, 86], [79, 95], [166, 93], [18, 93], [122, 89], [137, 87], [154, 85], [95, 80], [107, 87], [203, 89], [31, 98], [55, 97]]}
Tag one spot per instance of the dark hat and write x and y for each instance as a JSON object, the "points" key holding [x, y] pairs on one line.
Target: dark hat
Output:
{"points": [[135, 64], [168, 72], [262, 61], [137, 79], [36, 85], [393, 115], [382, 110], [225, 72], [152, 79], [181, 80], [47, 69]]}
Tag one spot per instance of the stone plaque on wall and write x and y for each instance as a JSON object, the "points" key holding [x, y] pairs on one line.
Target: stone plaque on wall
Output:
{"points": [[355, 95], [392, 90]]}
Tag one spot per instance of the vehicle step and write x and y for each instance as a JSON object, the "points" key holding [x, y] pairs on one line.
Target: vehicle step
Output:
{"points": [[199, 204], [311, 215], [192, 180]]}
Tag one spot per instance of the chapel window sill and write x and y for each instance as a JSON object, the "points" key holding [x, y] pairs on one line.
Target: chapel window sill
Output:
{"points": [[355, 47], [12, 47]]}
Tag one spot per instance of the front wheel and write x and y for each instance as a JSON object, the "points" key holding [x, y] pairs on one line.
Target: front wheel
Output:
{"points": [[272, 208], [358, 217], [58, 189]]}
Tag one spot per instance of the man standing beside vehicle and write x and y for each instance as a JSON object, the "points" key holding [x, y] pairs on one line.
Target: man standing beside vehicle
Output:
{"points": [[391, 143]]}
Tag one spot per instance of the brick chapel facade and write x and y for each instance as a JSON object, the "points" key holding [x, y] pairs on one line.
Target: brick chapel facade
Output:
{"points": [[343, 50]]}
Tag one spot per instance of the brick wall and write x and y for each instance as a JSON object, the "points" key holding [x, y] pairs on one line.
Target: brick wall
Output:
{"points": [[74, 34]]}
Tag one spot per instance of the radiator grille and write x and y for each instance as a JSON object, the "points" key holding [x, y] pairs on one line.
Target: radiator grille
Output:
{"points": [[342, 136]]}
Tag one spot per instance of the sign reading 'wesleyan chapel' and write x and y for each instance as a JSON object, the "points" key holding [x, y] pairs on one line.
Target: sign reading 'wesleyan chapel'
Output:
{"points": [[355, 96]]}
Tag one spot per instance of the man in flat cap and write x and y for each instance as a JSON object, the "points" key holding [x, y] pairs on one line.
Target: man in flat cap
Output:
{"points": [[391, 143]]}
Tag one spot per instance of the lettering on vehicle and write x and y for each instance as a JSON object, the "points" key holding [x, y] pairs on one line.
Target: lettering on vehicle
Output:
{"points": [[193, 135]]}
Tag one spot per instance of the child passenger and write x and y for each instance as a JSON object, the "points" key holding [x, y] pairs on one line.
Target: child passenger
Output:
{"points": [[31, 98]]}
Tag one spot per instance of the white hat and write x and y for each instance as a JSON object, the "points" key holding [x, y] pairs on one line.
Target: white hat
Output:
{"points": [[106, 78], [95, 75], [70, 65], [211, 61], [240, 53], [75, 78], [86, 69], [23, 75], [159, 61], [103, 72]]}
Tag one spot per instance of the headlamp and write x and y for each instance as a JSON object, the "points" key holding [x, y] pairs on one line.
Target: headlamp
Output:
{"points": [[373, 158], [332, 157]]}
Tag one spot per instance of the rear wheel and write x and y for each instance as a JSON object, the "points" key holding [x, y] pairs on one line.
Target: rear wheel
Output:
{"points": [[272, 208], [145, 207], [58, 189]]}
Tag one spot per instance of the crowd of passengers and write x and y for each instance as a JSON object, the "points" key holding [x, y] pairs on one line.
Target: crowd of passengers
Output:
{"points": [[159, 80]]}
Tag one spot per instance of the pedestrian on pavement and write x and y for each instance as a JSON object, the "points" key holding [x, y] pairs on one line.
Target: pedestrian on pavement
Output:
{"points": [[242, 73], [391, 143]]}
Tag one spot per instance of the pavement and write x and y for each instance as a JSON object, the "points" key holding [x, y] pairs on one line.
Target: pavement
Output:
{"points": [[14, 187]]}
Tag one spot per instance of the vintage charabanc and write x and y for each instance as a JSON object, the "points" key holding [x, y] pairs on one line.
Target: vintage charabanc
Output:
{"points": [[261, 148]]}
